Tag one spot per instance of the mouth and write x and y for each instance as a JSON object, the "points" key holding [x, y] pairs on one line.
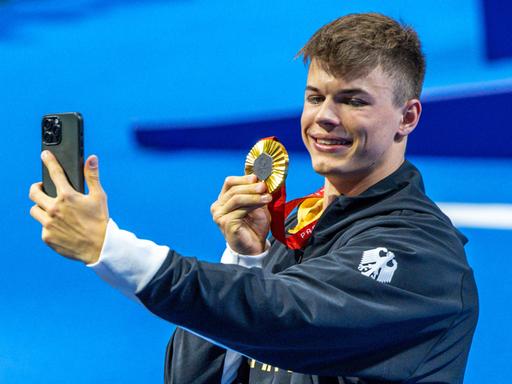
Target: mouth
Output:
{"points": [[331, 144]]}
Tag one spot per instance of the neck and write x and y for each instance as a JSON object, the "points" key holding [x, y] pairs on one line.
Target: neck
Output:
{"points": [[353, 185]]}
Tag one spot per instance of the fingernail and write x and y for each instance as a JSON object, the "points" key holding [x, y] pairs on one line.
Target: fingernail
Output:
{"points": [[93, 163], [266, 198], [44, 154]]}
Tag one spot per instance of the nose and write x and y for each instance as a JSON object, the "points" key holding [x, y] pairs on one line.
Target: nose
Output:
{"points": [[327, 116]]}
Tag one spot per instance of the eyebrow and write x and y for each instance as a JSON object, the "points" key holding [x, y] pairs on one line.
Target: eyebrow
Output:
{"points": [[348, 91]]}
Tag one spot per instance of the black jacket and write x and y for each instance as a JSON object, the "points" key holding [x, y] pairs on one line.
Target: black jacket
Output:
{"points": [[328, 314]]}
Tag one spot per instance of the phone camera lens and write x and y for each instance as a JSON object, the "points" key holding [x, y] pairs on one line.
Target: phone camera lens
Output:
{"points": [[52, 130], [48, 137]]}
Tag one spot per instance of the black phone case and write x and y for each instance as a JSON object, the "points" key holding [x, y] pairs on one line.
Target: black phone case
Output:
{"points": [[69, 151]]}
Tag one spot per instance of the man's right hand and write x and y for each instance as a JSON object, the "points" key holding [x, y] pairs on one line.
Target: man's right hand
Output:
{"points": [[241, 214]]}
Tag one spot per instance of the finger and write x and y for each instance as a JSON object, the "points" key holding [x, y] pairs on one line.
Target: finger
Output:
{"points": [[236, 215], [237, 180], [38, 196], [249, 202], [56, 172], [245, 189], [92, 175], [39, 214]]}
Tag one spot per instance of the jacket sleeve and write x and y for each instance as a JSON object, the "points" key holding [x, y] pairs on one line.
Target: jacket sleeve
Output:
{"points": [[328, 315]]}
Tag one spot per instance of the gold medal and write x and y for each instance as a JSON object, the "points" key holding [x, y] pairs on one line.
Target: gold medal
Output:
{"points": [[268, 160]]}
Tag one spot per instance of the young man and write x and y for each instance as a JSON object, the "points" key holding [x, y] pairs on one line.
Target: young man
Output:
{"points": [[380, 293]]}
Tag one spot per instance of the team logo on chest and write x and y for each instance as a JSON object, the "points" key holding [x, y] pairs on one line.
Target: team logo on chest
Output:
{"points": [[379, 264]]}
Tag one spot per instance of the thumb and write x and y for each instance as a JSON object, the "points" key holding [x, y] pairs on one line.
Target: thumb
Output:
{"points": [[92, 175]]}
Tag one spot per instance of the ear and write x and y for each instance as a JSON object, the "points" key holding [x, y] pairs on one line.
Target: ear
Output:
{"points": [[410, 117]]}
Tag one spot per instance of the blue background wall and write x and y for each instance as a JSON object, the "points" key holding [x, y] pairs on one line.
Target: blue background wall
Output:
{"points": [[127, 64]]}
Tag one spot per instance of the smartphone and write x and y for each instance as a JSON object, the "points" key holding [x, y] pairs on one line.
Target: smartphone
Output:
{"points": [[63, 135]]}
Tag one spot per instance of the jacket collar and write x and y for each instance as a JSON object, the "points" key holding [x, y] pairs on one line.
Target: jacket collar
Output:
{"points": [[403, 189], [406, 174]]}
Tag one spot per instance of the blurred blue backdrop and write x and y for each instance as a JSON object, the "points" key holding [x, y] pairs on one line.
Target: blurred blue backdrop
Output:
{"points": [[192, 62]]}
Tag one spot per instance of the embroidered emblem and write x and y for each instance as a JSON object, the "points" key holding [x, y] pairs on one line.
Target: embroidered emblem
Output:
{"points": [[379, 264]]}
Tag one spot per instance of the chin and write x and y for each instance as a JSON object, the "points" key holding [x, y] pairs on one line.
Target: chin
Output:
{"points": [[326, 168], [340, 169]]}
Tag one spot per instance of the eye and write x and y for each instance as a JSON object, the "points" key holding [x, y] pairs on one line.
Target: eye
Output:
{"points": [[355, 102], [315, 99]]}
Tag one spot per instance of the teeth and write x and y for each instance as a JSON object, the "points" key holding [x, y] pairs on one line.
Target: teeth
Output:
{"points": [[332, 142]]}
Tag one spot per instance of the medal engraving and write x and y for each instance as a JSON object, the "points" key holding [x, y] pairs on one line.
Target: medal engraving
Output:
{"points": [[263, 166]]}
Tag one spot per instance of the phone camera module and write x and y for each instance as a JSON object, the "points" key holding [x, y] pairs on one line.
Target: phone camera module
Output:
{"points": [[52, 130]]}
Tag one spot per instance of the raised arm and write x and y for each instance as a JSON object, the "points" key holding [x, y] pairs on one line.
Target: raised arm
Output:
{"points": [[324, 316]]}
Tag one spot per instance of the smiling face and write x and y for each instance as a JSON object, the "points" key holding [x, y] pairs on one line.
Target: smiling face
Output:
{"points": [[354, 133]]}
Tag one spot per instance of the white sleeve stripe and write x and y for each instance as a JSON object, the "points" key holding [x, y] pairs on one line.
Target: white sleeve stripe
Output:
{"points": [[248, 261], [126, 262]]}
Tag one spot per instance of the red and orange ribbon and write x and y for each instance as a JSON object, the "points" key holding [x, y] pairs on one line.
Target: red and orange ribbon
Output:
{"points": [[280, 210]]}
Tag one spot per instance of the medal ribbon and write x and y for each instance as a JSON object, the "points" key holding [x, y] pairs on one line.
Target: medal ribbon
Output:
{"points": [[279, 211]]}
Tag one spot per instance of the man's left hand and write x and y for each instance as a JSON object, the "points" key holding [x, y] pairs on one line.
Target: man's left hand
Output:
{"points": [[74, 224]]}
